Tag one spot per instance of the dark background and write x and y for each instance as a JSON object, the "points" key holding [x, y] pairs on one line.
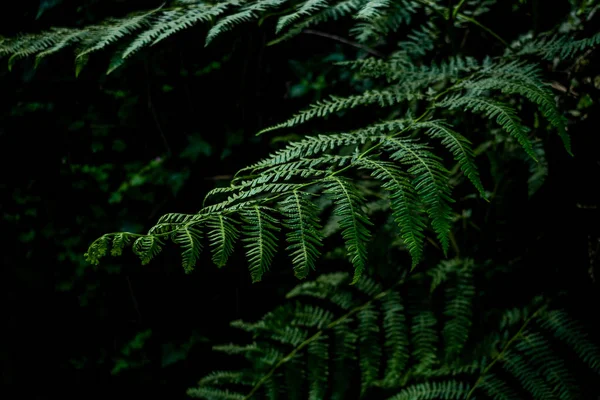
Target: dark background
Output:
{"points": [[171, 124]]}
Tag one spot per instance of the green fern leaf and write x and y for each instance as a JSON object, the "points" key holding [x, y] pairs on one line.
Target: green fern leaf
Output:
{"points": [[318, 370], [261, 243], [530, 377], [306, 8], [458, 309], [386, 97], [190, 239], [120, 240], [368, 346], [248, 12], [353, 221], [459, 146], [504, 115], [451, 390], [304, 233], [147, 247], [222, 237], [396, 337], [431, 182], [424, 340], [404, 204]]}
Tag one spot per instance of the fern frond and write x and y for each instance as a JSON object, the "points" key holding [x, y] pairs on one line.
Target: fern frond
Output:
{"points": [[318, 369], [304, 233], [372, 9], [248, 12], [397, 14], [147, 247], [396, 337], [459, 146], [524, 79], [176, 20], [529, 377], [449, 390], [541, 355], [307, 8], [119, 242], [431, 183], [104, 36], [222, 237], [502, 113], [211, 393], [404, 204], [368, 346], [458, 309], [190, 239], [497, 389], [557, 46], [424, 341], [261, 243], [309, 147], [326, 346], [383, 98], [569, 331], [353, 221], [331, 12]]}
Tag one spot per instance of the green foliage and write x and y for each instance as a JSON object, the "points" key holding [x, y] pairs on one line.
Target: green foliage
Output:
{"points": [[390, 342], [394, 150], [375, 19], [413, 172]]}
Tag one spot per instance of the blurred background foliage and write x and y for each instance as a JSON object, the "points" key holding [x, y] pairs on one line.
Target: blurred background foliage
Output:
{"points": [[85, 155]]}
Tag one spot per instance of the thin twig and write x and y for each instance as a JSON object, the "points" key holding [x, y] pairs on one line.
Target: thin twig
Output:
{"points": [[345, 41]]}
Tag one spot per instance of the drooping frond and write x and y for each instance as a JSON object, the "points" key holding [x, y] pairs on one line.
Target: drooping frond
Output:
{"points": [[404, 203], [353, 221], [309, 7], [412, 181], [247, 12], [304, 236], [222, 238], [502, 113], [147, 247], [396, 337], [190, 239], [459, 311], [368, 346], [373, 9], [260, 241], [459, 146], [175, 20], [523, 79], [556, 46], [379, 18], [431, 182]]}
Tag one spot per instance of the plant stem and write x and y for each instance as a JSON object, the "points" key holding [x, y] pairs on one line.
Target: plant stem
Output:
{"points": [[457, 8]]}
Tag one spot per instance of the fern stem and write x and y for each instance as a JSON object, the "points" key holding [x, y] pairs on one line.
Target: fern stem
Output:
{"points": [[318, 334], [504, 350], [485, 28], [457, 8], [468, 19], [345, 41]]}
